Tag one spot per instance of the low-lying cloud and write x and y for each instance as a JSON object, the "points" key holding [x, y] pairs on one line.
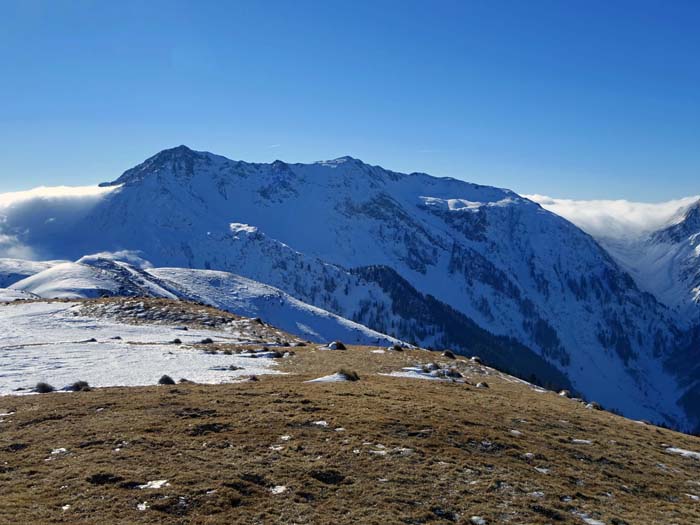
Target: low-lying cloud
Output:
{"points": [[617, 219], [12, 248], [32, 215], [53, 193]]}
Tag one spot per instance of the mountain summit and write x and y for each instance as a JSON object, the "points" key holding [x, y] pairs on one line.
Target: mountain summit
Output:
{"points": [[174, 160]]}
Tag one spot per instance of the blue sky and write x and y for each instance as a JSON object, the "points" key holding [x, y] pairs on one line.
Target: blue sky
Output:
{"points": [[579, 99]]}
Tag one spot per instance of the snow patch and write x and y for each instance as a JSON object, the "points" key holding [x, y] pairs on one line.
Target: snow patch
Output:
{"points": [[8, 296], [156, 484], [431, 371], [236, 228], [587, 519], [683, 452], [333, 378], [50, 342]]}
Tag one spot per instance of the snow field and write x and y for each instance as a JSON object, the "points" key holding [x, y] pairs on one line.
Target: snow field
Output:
{"points": [[50, 342]]}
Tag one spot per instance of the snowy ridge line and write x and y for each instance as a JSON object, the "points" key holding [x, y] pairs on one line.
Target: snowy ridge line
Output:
{"points": [[98, 275]]}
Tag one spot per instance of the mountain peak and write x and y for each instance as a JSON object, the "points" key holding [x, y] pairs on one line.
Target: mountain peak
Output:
{"points": [[182, 149], [180, 152], [687, 226], [178, 159], [344, 160]]}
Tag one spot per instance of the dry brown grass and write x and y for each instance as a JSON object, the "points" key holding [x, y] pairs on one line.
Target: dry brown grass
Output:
{"points": [[411, 451]]}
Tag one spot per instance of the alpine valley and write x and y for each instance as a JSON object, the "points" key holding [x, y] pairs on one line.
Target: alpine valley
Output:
{"points": [[342, 249]]}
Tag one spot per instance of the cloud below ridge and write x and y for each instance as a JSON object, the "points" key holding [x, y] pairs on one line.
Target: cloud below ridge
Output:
{"points": [[26, 214], [616, 219]]}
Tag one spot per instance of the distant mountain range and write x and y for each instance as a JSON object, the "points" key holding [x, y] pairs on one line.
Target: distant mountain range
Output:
{"points": [[434, 261]]}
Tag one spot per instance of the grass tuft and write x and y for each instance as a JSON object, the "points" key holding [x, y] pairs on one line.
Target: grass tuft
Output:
{"points": [[79, 386], [350, 375], [43, 388]]}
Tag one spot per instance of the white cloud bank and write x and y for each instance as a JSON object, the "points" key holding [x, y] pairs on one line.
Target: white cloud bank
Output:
{"points": [[30, 214], [52, 193], [619, 219]]}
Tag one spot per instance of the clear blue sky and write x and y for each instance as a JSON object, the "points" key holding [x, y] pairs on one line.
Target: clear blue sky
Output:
{"points": [[583, 99]]}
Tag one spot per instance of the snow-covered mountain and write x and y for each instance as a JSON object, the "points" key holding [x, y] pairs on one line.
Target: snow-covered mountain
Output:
{"points": [[104, 275], [91, 277], [659, 245], [364, 243], [679, 244]]}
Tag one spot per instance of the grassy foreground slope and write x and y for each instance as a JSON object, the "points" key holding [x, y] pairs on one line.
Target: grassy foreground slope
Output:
{"points": [[380, 450]]}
